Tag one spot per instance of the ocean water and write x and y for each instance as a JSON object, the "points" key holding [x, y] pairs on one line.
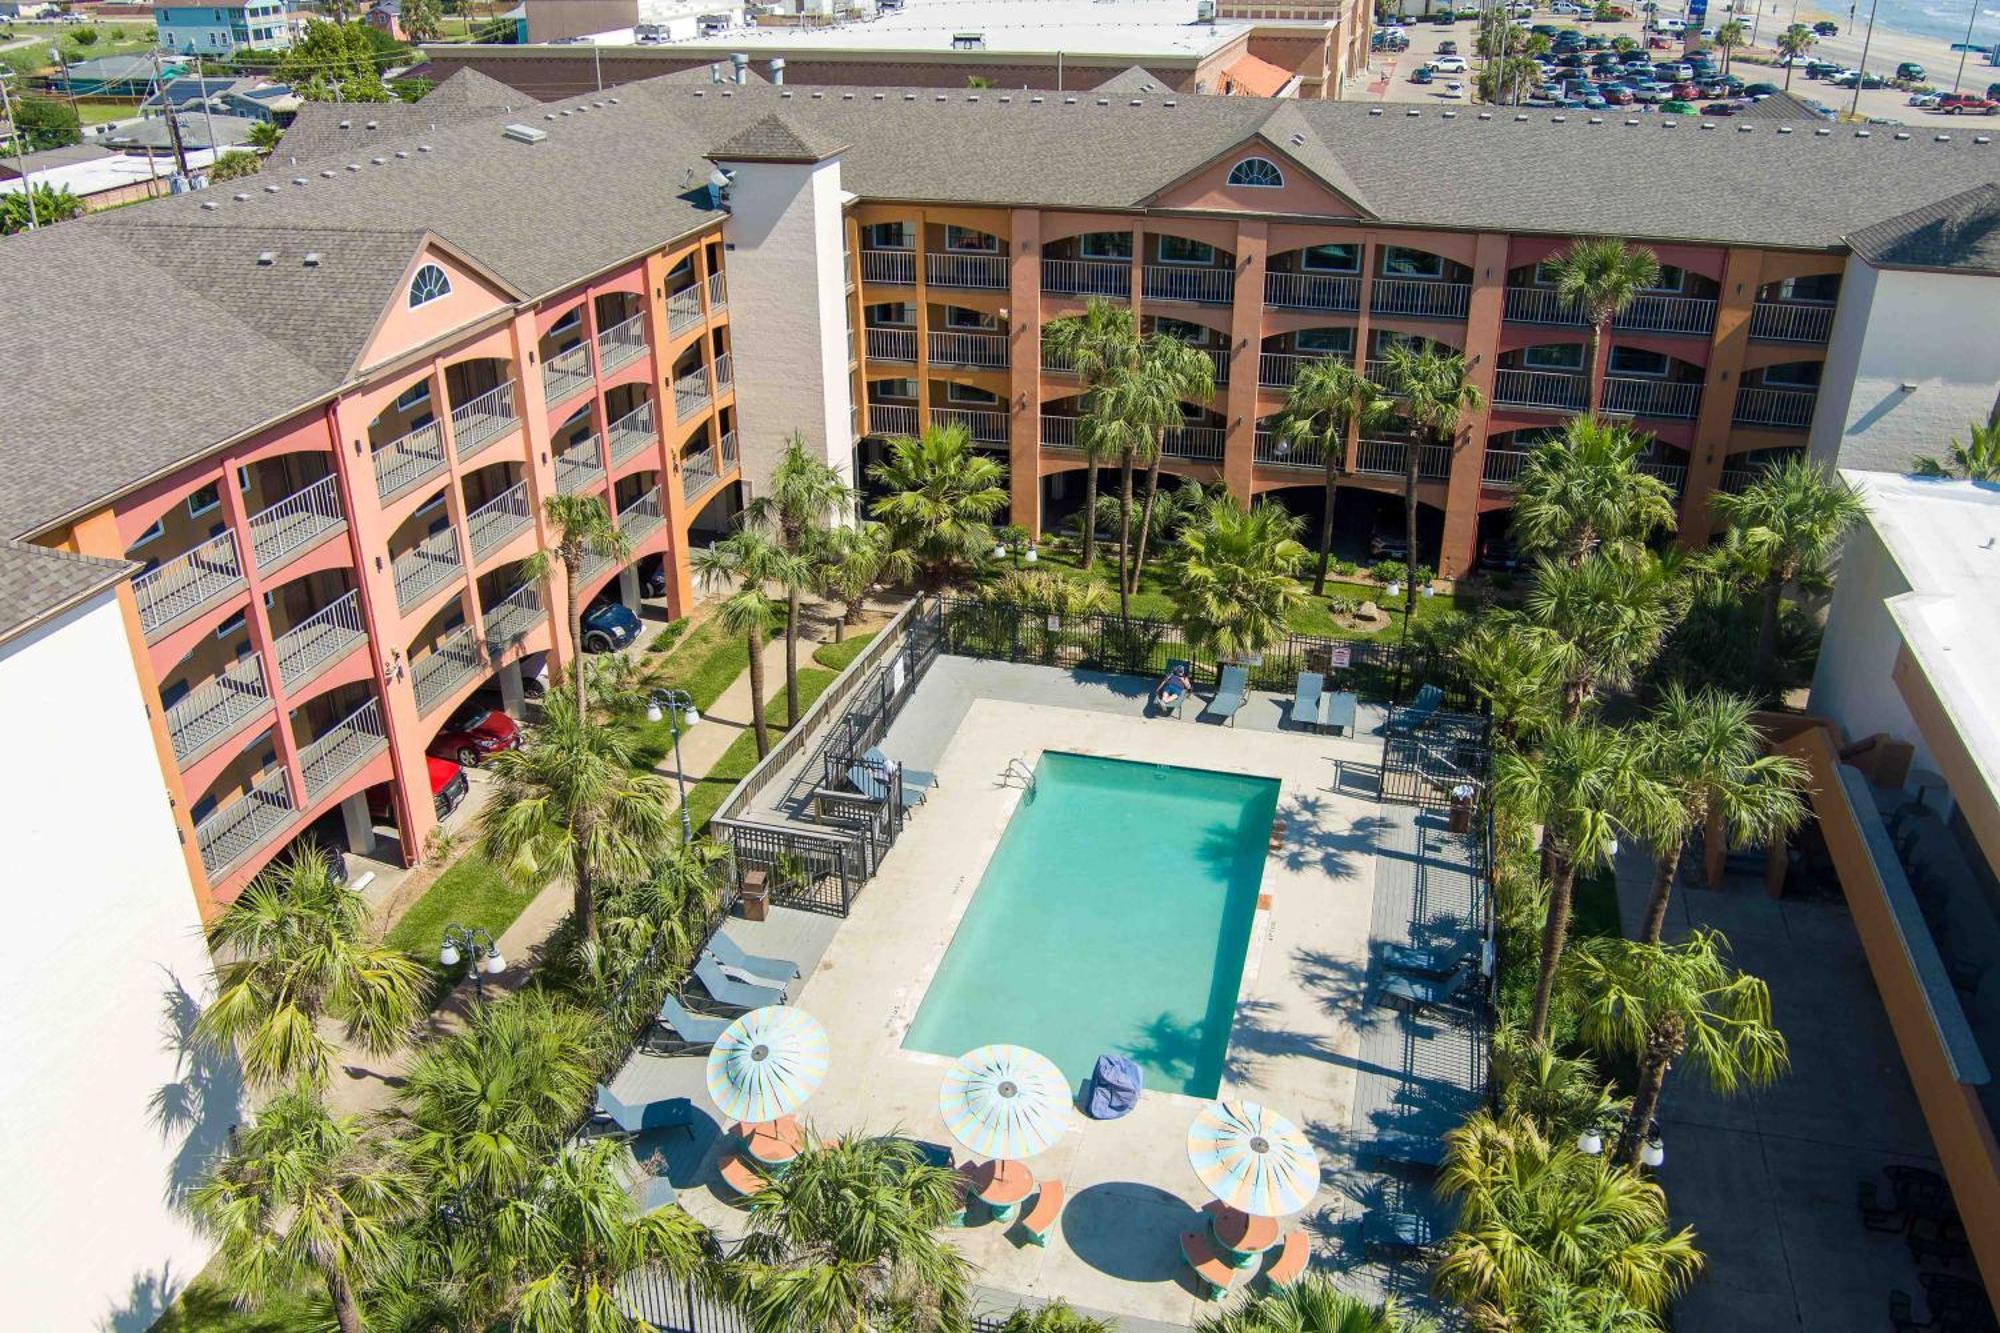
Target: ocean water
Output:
{"points": [[1114, 916], [1918, 18]]}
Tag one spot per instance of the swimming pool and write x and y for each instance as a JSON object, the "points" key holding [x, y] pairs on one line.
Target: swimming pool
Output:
{"points": [[1113, 916]]}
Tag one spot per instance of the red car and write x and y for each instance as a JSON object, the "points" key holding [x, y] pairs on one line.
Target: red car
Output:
{"points": [[472, 733], [1966, 104], [448, 788]]}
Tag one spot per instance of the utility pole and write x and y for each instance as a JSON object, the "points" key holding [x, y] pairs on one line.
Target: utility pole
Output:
{"points": [[1861, 71], [173, 121], [20, 156], [207, 116]]}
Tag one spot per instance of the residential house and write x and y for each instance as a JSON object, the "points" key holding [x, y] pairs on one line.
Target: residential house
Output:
{"points": [[220, 30]]}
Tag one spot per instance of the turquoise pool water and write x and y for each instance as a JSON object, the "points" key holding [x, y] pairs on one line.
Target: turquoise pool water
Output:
{"points": [[1113, 917]]}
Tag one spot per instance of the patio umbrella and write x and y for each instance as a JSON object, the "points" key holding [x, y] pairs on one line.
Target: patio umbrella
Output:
{"points": [[767, 1063], [1005, 1102], [1254, 1160]]}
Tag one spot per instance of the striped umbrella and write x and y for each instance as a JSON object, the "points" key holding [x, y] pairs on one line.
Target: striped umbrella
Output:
{"points": [[1005, 1102], [766, 1064], [1254, 1160]]}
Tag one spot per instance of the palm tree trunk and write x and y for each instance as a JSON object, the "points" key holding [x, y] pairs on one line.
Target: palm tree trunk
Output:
{"points": [[1146, 514], [792, 654], [583, 900], [1645, 1101], [1415, 451], [1666, 865], [346, 1307], [1089, 513], [1326, 527], [755, 642], [1124, 532], [572, 573], [1555, 932], [1596, 386], [1767, 628]]}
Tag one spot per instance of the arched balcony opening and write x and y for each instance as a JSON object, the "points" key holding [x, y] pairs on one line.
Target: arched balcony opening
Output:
{"points": [[1199, 437], [981, 412], [406, 440], [1742, 470], [892, 407], [967, 338], [706, 460], [244, 808], [1097, 263], [890, 330], [424, 553], [498, 507], [1419, 284], [689, 382], [1282, 356], [1059, 424], [1550, 377], [336, 733], [484, 408], [621, 330], [1678, 302], [1796, 310], [1650, 385], [292, 502], [641, 505], [631, 425], [1780, 397], [684, 297], [579, 454], [564, 352], [1186, 271], [512, 607], [443, 656], [1315, 277]]}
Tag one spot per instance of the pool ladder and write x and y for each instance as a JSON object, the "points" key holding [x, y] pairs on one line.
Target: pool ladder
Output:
{"points": [[1017, 770]]}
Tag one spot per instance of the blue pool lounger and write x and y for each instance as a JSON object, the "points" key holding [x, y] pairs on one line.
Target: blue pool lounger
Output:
{"points": [[694, 1029], [915, 776], [1306, 699], [730, 954], [1229, 696], [1421, 712], [727, 990]]}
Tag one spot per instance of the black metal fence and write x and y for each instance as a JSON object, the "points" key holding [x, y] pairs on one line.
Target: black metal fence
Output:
{"points": [[1425, 767]]}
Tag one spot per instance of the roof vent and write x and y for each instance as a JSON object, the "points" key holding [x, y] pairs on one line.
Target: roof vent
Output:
{"points": [[729, 92], [354, 166], [1668, 124], [374, 124], [298, 180], [1631, 120], [379, 161], [328, 173], [1036, 101], [1104, 101], [524, 134], [312, 259], [1745, 129], [598, 105], [944, 97], [550, 115], [240, 197], [1982, 138], [347, 124], [579, 110], [819, 97], [1553, 120], [786, 95], [1943, 138], [1374, 110], [612, 100], [1413, 112], [1296, 140], [403, 153], [266, 258], [701, 92], [1708, 124], [1861, 134], [210, 205], [1784, 129], [1902, 135], [1451, 115], [1134, 102], [273, 189], [566, 111], [1486, 115], [1821, 132], [845, 97], [1004, 98], [1597, 120], [1520, 115], [880, 96], [909, 97]]}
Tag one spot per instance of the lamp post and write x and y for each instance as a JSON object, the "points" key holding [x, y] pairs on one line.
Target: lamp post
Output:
{"points": [[676, 706], [476, 947], [1652, 1145]]}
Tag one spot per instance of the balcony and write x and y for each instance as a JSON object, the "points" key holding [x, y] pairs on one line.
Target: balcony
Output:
{"points": [[973, 272], [188, 584], [214, 711], [892, 419], [718, 293], [1679, 400], [979, 351], [296, 524], [1549, 390], [1312, 291], [346, 746], [1779, 409], [247, 823], [690, 394], [1391, 458], [1376, 371], [483, 420], [1277, 370], [1791, 322], [729, 449], [895, 267], [513, 618], [1647, 314], [725, 372], [1087, 277], [1219, 358], [426, 565], [452, 661], [621, 344], [1272, 450], [643, 517], [1736, 480], [1189, 286], [684, 309], [1194, 444], [1672, 475], [1058, 431], [402, 463], [699, 474], [892, 345], [320, 640], [580, 466], [986, 425], [490, 525], [1503, 467], [1420, 298], [566, 373], [633, 431]]}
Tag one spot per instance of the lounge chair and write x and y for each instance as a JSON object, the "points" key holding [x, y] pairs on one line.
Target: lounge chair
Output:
{"points": [[730, 954], [1290, 1264], [728, 991], [1414, 995], [1211, 1271], [920, 777], [1307, 696], [1420, 714], [692, 1028], [1229, 696], [1340, 711], [1174, 687], [635, 1118], [1396, 1235], [1040, 1220], [1401, 1147], [1424, 962], [871, 779]]}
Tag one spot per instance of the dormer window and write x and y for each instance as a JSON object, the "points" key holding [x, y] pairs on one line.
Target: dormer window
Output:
{"points": [[1257, 171], [429, 285]]}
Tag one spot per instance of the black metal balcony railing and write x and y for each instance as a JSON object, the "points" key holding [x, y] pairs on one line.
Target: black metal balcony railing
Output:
{"points": [[1791, 321], [1421, 298], [1780, 409], [1087, 277], [1312, 291], [188, 584]]}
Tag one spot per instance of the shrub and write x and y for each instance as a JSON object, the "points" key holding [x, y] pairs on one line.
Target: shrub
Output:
{"points": [[1343, 569], [1423, 575], [1388, 571], [234, 164], [1343, 606]]}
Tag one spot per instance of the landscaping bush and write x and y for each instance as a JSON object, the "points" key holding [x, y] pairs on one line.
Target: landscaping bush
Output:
{"points": [[1388, 571]]}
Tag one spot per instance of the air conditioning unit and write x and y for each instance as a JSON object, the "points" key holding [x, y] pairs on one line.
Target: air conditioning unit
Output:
{"points": [[1204, 12]]}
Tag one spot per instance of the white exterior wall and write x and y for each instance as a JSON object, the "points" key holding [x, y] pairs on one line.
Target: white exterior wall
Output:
{"points": [[103, 963], [788, 305], [1937, 331], [1852, 682]]}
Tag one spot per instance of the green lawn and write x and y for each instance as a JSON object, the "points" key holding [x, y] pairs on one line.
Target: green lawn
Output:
{"points": [[203, 1308], [473, 892], [705, 796], [836, 656], [99, 113], [705, 662]]}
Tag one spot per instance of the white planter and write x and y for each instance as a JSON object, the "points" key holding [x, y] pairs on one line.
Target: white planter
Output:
{"points": [[1393, 590]]}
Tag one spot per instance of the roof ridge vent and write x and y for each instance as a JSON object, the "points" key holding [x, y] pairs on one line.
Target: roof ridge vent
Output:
{"points": [[379, 161], [240, 197], [274, 189], [847, 97], [1902, 135], [1069, 101], [1170, 102], [1784, 129], [1821, 132], [312, 259], [328, 174], [1745, 129], [1413, 112], [266, 258], [567, 112], [1982, 138], [524, 134], [1597, 120], [1941, 138], [1520, 116], [1374, 110]]}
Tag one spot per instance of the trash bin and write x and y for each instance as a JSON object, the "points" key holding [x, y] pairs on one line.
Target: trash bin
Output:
{"points": [[755, 900], [1461, 807]]}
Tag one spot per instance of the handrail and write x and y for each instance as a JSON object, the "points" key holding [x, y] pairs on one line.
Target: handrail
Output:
{"points": [[188, 582], [566, 372], [408, 459], [320, 638], [580, 466], [632, 432], [347, 744], [452, 659], [424, 566], [498, 519], [296, 522], [620, 343], [479, 422], [214, 709]]}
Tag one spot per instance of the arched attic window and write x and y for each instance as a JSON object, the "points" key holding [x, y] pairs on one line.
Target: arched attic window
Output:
{"points": [[430, 284], [1257, 171]]}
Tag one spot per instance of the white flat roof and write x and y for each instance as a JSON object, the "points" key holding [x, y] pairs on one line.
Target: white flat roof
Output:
{"points": [[1945, 537], [84, 179], [1079, 27]]}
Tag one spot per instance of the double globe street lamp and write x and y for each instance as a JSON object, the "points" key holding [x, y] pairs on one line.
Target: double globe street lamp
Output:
{"points": [[677, 705], [1652, 1148], [475, 947]]}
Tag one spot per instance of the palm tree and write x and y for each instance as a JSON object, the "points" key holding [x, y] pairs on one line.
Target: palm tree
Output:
{"points": [[1656, 1003], [1543, 1227], [846, 1239], [1058, 1316], [1311, 1305], [264, 135], [804, 498], [1728, 37], [942, 497], [1793, 43], [1604, 618], [583, 529], [1516, 671], [1583, 786], [1977, 461], [1437, 396], [304, 1196], [749, 561], [849, 563], [1238, 576], [1785, 526], [572, 1238], [1600, 277], [1705, 750], [1099, 343], [486, 1104], [1561, 1094], [1583, 489], [1174, 371], [298, 947], [569, 806], [670, 906], [1328, 397], [1119, 429]]}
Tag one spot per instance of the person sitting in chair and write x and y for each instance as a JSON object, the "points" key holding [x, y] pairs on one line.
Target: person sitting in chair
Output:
{"points": [[1173, 688]]}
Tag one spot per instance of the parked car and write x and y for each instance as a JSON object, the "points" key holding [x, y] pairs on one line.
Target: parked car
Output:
{"points": [[653, 576], [1721, 109], [1821, 69], [1993, 91], [608, 625], [1422, 74], [1447, 48], [1925, 101], [1910, 72], [1826, 28], [1966, 104], [1448, 65], [448, 788], [1454, 89], [472, 732], [1444, 19], [1618, 96], [1761, 90]]}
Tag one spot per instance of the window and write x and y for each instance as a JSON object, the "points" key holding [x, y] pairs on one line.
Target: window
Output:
{"points": [[1182, 329], [1105, 245], [1637, 361], [1671, 281], [1180, 250], [1822, 287], [1384, 339], [965, 393], [173, 693], [152, 534], [1793, 375], [1258, 171], [1331, 259], [887, 236], [1555, 356], [567, 322], [967, 239], [429, 285], [230, 626], [958, 317], [892, 315], [1324, 340], [900, 389], [1402, 262], [203, 500]]}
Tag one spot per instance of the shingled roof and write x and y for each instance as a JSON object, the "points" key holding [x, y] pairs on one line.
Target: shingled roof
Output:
{"points": [[37, 583], [1961, 234], [469, 87], [775, 139]]}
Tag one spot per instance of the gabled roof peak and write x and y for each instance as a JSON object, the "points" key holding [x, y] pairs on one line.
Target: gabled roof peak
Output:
{"points": [[773, 138]]}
